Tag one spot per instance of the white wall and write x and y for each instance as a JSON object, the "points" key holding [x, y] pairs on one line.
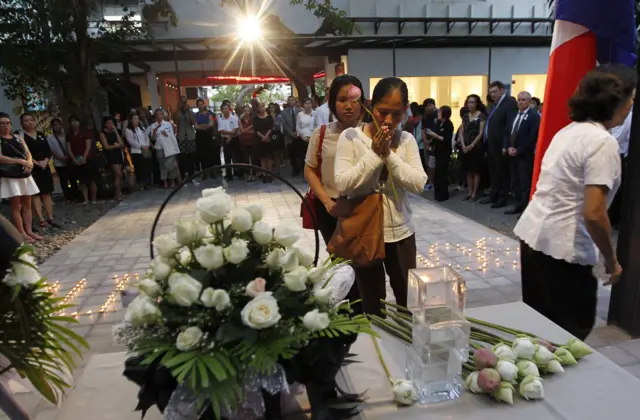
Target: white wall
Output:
{"points": [[505, 62], [205, 18]]}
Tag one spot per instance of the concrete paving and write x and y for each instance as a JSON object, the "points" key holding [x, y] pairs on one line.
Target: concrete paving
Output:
{"points": [[118, 244]]}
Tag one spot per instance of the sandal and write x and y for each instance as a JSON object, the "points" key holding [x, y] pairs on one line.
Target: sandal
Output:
{"points": [[467, 198], [44, 224], [474, 199]]}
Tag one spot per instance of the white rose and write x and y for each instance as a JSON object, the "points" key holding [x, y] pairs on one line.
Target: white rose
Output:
{"points": [[208, 192], [189, 338], [185, 258], [166, 245], [323, 295], [527, 368], [142, 311], [171, 262], [523, 347], [404, 393], [184, 289], [24, 271], [508, 371], [262, 312], [531, 388], [160, 269], [285, 235], [504, 352], [255, 211], [472, 383], [150, 288], [317, 274], [215, 298], [210, 256], [315, 320], [190, 231], [304, 258], [273, 259], [296, 279], [241, 220], [289, 260], [213, 208], [237, 252], [262, 233], [255, 287]]}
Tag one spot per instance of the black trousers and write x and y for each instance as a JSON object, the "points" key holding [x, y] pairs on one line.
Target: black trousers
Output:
{"points": [[441, 184], [615, 210], [400, 257], [155, 167], [297, 154], [521, 174], [232, 154], [498, 172], [206, 150], [565, 293], [68, 183], [187, 163], [142, 167]]}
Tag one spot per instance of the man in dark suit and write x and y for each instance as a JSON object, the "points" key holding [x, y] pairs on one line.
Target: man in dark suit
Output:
{"points": [[291, 139], [496, 133], [521, 145]]}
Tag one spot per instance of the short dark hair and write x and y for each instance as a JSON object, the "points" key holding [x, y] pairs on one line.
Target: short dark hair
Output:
{"points": [[108, 118], [446, 112], [385, 86], [73, 118], [429, 101], [276, 107], [24, 115], [413, 106], [225, 104], [536, 100], [158, 110], [199, 100], [4, 115], [55, 121], [337, 84], [601, 92], [307, 100], [496, 83]]}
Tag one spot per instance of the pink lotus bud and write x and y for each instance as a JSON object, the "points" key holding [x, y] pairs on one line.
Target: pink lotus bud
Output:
{"points": [[489, 380], [485, 358], [545, 343], [354, 93]]}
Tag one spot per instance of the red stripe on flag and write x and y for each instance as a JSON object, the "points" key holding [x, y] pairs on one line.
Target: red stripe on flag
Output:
{"points": [[568, 64]]}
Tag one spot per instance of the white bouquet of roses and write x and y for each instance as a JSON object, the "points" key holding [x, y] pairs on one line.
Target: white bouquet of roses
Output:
{"points": [[227, 295]]}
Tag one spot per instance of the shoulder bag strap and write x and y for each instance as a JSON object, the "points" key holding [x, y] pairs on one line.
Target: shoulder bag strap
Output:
{"points": [[323, 131]]}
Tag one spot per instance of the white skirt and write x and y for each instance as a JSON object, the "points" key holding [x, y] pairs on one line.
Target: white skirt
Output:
{"points": [[13, 187]]}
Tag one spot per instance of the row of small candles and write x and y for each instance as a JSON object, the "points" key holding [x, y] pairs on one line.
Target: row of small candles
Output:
{"points": [[481, 251], [107, 305]]}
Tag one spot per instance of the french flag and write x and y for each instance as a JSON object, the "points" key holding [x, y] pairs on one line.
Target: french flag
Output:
{"points": [[586, 32]]}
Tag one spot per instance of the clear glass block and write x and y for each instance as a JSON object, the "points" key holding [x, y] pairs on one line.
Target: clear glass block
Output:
{"points": [[436, 287], [440, 346]]}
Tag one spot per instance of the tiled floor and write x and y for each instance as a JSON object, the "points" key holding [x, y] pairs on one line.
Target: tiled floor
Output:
{"points": [[119, 243]]}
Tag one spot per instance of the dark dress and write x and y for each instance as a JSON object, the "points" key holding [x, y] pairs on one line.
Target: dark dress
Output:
{"points": [[262, 125], [40, 150], [442, 152], [473, 161], [114, 156]]}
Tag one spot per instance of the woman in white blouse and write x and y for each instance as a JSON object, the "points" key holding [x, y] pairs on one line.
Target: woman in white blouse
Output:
{"points": [[566, 222], [305, 121], [364, 158], [140, 153]]}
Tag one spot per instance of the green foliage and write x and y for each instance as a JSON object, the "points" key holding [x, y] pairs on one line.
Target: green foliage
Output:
{"points": [[34, 338]]}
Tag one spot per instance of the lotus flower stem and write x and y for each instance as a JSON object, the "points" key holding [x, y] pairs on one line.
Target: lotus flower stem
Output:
{"points": [[397, 326], [485, 338], [382, 362], [511, 331], [398, 319], [469, 367], [401, 309], [487, 333], [390, 328]]}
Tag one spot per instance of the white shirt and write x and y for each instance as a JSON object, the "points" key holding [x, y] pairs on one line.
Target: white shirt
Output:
{"points": [[136, 139], [165, 139], [322, 115], [622, 134], [580, 154], [228, 124], [358, 170], [305, 124]]}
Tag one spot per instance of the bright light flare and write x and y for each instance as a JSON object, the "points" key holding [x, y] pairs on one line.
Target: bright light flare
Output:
{"points": [[249, 29]]}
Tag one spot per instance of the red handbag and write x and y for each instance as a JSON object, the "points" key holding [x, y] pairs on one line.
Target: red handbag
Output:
{"points": [[308, 206]]}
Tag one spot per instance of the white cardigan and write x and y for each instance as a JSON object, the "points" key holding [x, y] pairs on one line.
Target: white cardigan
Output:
{"points": [[358, 170]]}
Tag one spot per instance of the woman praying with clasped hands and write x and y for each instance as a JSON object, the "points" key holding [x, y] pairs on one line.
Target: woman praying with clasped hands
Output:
{"points": [[365, 157]]}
